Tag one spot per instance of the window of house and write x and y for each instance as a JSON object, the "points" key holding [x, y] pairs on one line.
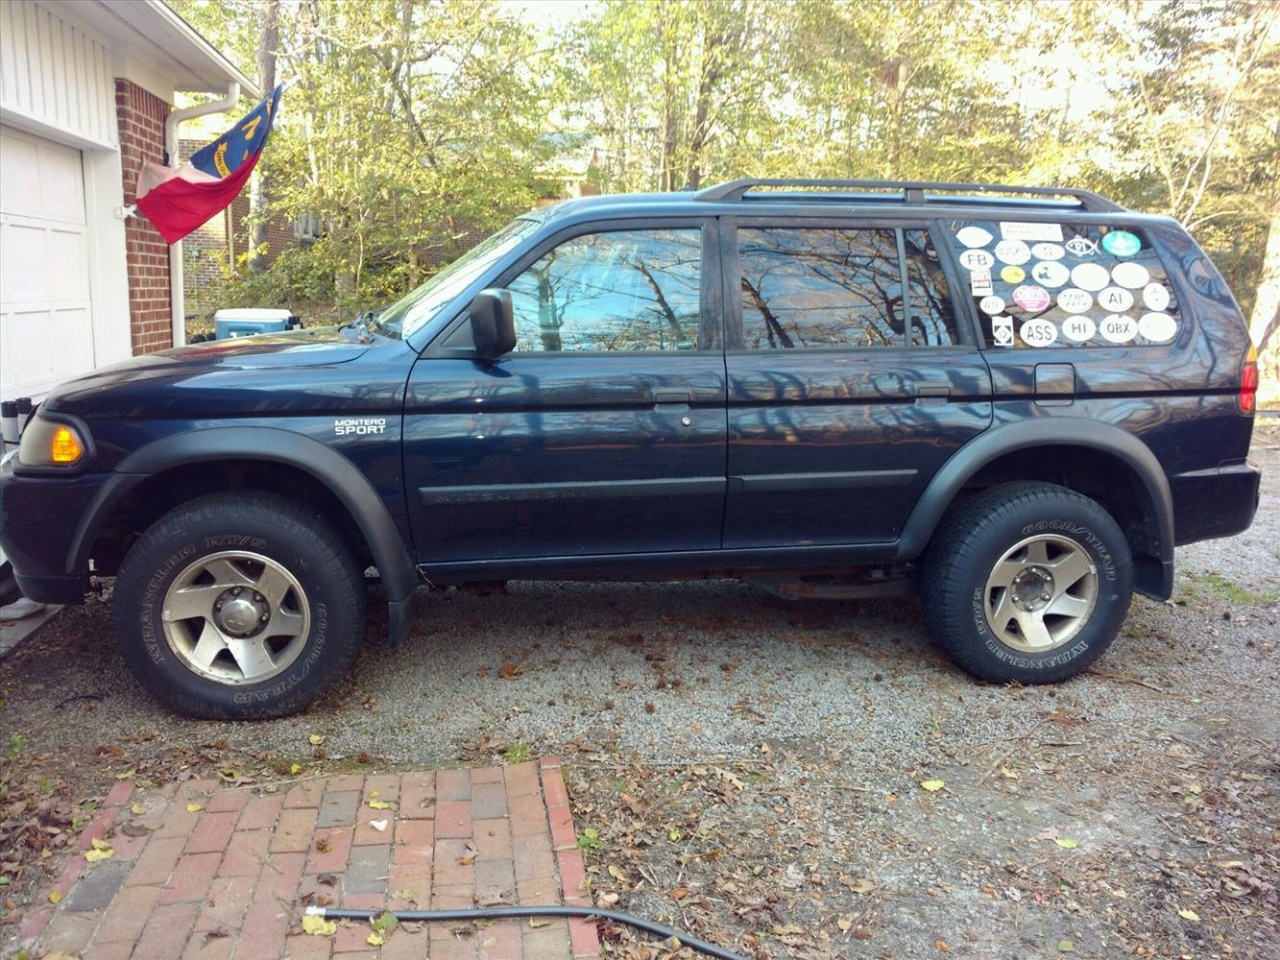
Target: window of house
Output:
{"points": [[633, 290]]}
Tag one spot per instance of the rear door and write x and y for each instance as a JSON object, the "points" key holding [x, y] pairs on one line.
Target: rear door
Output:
{"points": [[603, 433], [851, 378]]}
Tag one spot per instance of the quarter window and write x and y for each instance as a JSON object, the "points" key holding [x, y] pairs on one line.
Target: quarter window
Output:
{"points": [[631, 290]]}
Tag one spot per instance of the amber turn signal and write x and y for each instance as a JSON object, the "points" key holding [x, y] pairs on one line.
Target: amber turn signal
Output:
{"points": [[65, 446]]}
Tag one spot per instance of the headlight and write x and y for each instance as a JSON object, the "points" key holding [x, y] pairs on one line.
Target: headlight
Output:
{"points": [[53, 443]]}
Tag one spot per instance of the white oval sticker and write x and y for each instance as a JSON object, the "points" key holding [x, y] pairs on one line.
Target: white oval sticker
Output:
{"points": [[991, 305], [977, 260], [1090, 276], [1074, 301], [1048, 251], [972, 236], [1013, 251], [1079, 329], [1156, 296], [1115, 299], [1038, 333], [1118, 328], [1158, 327], [1050, 273], [1131, 275]]}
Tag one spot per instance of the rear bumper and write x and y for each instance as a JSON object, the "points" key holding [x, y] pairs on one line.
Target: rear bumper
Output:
{"points": [[1214, 503]]}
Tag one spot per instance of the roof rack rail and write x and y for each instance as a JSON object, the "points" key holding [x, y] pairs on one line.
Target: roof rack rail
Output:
{"points": [[912, 191]]}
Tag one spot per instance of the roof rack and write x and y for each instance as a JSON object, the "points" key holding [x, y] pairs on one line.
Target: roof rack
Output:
{"points": [[909, 191]]}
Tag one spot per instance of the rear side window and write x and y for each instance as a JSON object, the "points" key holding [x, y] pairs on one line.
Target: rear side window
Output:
{"points": [[1046, 285], [842, 288]]}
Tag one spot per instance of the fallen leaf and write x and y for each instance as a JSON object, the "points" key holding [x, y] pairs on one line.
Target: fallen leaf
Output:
{"points": [[194, 807], [374, 940], [845, 924], [55, 896], [536, 922], [932, 785], [101, 851], [1066, 843], [379, 805], [128, 774], [1011, 774], [319, 926], [942, 945], [1066, 946], [1189, 915], [315, 739], [679, 894], [379, 825], [295, 768], [384, 921], [137, 809], [466, 861]]}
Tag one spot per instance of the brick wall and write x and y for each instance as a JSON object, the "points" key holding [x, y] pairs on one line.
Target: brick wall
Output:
{"points": [[141, 117]]}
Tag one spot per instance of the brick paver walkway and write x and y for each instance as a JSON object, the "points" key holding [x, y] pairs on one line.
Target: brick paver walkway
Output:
{"points": [[199, 871]]}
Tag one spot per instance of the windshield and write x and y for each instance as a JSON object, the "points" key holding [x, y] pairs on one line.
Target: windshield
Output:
{"points": [[408, 314]]}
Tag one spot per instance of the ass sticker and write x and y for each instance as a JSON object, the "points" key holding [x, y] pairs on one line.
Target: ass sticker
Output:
{"points": [[1131, 275], [1121, 243], [1013, 251], [1012, 274], [1081, 246], [1048, 251], [1038, 333], [1002, 331], [1073, 300], [977, 260], [1118, 328], [1090, 276], [1079, 329], [991, 305], [1157, 327], [980, 283], [1115, 299], [1050, 273], [1156, 296], [1031, 231], [972, 236], [1030, 298]]}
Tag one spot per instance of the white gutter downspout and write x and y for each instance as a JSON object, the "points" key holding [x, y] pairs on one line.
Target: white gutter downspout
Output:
{"points": [[177, 293]]}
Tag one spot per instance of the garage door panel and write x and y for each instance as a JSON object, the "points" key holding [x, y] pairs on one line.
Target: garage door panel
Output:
{"points": [[25, 263], [68, 347], [28, 352], [68, 267], [61, 185], [20, 185]]}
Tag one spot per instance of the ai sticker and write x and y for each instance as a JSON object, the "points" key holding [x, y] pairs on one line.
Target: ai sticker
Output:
{"points": [[1038, 333], [1121, 243], [980, 283], [1115, 299], [991, 305], [1048, 251], [1002, 331], [972, 236], [1031, 231], [1030, 298], [1131, 275], [1012, 251], [1156, 296], [1012, 274], [1157, 327], [1090, 276], [1079, 329], [1081, 246], [1118, 328], [1050, 273], [1073, 300]]}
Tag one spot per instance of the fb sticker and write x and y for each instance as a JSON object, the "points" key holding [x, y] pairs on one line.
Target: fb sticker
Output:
{"points": [[1121, 243], [1002, 331], [1013, 251], [991, 305], [1079, 329], [1030, 298], [1038, 333], [1075, 301], [977, 260]]}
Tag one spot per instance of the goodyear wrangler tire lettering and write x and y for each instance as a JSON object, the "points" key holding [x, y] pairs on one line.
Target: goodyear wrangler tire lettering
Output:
{"points": [[239, 606], [1027, 582]]}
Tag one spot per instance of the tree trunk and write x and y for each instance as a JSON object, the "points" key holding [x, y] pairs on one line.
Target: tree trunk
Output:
{"points": [[1264, 327], [268, 44]]}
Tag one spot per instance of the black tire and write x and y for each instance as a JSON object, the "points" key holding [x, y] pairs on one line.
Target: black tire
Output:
{"points": [[1027, 582], [276, 607]]}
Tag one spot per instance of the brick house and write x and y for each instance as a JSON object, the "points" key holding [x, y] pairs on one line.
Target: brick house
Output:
{"points": [[85, 90]]}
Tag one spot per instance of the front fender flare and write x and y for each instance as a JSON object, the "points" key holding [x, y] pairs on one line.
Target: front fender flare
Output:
{"points": [[273, 445]]}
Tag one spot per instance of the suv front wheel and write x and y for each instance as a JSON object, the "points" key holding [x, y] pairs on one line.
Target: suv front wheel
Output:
{"points": [[239, 606], [1027, 582]]}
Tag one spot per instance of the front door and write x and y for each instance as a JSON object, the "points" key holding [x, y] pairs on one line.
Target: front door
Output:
{"points": [[603, 433]]}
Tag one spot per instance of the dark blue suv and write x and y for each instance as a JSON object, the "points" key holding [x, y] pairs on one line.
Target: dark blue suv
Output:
{"points": [[1016, 401]]}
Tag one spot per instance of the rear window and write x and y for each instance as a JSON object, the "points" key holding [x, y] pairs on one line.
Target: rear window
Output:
{"points": [[1049, 285]]}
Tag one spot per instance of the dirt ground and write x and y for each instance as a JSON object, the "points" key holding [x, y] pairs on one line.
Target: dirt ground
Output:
{"points": [[785, 780]]}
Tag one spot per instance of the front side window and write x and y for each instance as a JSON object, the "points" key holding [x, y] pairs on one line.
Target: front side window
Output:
{"points": [[631, 290], [842, 288]]}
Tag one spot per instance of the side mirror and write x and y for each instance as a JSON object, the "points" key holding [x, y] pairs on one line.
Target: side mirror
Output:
{"points": [[493, 324]]}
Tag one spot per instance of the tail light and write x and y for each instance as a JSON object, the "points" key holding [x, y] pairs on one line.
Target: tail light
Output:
{"points": [[1248, 398]]}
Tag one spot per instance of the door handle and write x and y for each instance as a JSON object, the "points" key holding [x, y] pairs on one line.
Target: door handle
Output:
{"points": [[671, 401], [933, 391]]}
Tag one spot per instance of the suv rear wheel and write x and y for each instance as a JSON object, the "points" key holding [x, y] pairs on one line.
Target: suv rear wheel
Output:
{"points": [[239, 606], [1027, 582]]}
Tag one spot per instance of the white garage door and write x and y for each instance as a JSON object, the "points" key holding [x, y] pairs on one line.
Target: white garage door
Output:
{"points": [[46, 321]]}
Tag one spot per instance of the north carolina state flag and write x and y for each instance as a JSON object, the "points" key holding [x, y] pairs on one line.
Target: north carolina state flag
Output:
{"points": [[177, 200]]}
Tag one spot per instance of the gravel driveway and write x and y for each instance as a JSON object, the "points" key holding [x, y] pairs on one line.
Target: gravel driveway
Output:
{"points": [[752, 767]]}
